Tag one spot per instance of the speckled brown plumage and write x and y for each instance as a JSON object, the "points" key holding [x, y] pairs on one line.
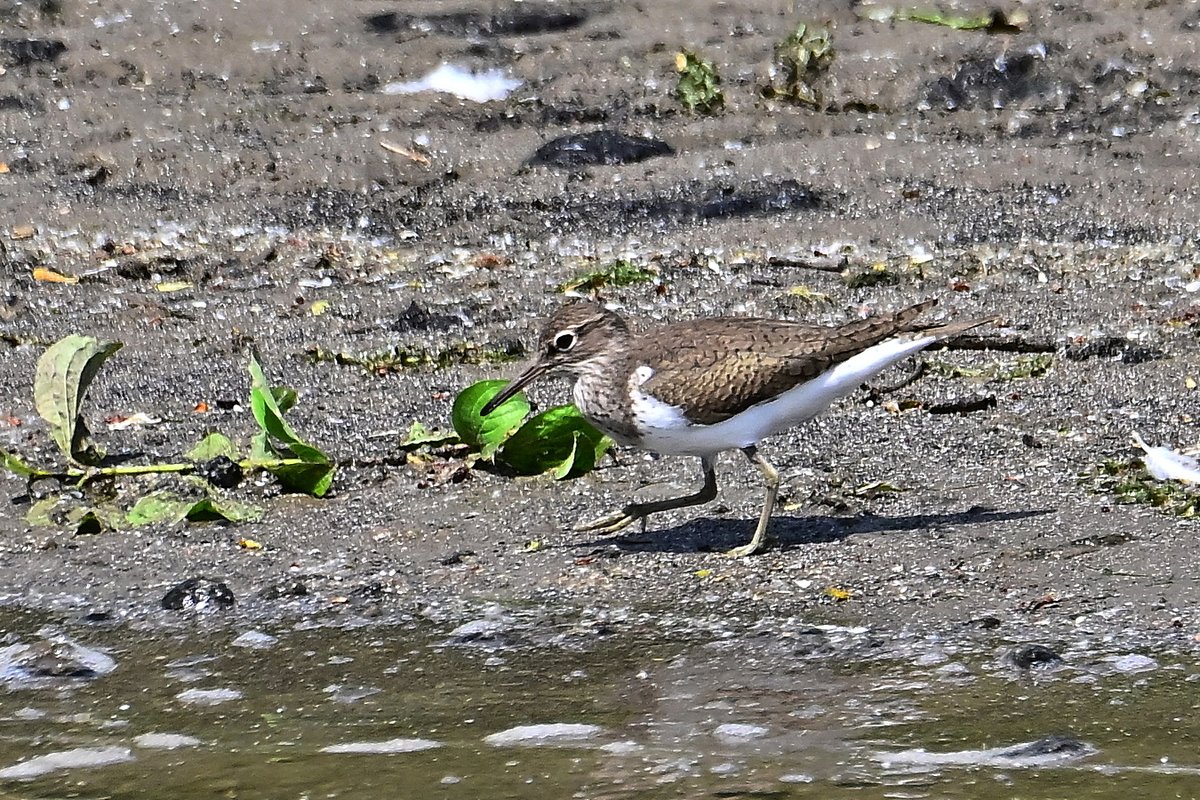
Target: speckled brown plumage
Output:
{"points": [[717, 367], [709, 385]]}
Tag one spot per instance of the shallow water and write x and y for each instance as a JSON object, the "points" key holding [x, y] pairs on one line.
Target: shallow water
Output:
{"points": [[359, 712]]}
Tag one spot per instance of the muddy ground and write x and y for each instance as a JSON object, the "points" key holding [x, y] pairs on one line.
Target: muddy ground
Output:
{"points": [[1047, 176]]}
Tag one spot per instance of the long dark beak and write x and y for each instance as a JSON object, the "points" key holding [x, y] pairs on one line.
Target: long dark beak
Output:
{"points": [[531, 373]]}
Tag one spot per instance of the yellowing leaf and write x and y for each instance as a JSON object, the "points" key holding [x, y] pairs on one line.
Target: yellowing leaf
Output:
{"points": [[249, 544], [50, 276], [533, 545], [318, 307], [703, 573], [838, 593]]}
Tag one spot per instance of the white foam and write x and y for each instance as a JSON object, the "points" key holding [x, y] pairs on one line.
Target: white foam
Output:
{"points": [[479, 87]]}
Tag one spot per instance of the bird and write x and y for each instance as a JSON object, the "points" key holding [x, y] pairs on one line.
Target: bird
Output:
{"points": [[704, 386]]}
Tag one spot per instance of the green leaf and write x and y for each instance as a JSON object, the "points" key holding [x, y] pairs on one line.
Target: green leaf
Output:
{"points": [[486, 433], [16, 466], [215, 508], [559, 441], [168, 508], [213, 445], [261, 449], [285, 397], [699, 85], [418, 434], [621, 272], [313, 478], [64, 373], [42, 512], [265, 405], [158, 507], [90, 520]]}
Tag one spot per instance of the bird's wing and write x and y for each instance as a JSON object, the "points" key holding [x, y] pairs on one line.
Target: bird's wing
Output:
{"points": [[715, 368]]}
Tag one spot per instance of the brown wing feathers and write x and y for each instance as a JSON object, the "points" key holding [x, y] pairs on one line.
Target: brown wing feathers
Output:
{"points": [[734, 363]]}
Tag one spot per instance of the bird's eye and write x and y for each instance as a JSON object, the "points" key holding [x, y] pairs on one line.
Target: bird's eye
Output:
{"points": [[564, 341]]}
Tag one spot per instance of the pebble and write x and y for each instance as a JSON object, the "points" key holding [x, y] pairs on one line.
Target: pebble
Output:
{"points": [[79, 758], [556, 733], [256, 640], [733, 731], [165, 741], [385, 747], [208, 697]]}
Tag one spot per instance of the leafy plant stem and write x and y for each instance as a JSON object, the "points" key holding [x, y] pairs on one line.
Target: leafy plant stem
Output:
{"points": [[84, 476]]}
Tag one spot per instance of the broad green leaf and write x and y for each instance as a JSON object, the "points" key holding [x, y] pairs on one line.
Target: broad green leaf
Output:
{"points": [[43, 511], [270, 403], [261, 449], [313, 478], [90, 520], [16, 466], [418, 434], [213, 445], [64, 373], [169, 508], [213, 508], [559, 441], [285, 397], [486, 433], [158, 507]]}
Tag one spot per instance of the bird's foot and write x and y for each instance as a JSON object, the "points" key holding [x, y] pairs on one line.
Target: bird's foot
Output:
{"points": [[615, 522], [745, 550]]}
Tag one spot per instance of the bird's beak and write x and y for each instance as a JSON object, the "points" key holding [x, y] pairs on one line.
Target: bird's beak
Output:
{"points": [[531, 373]]}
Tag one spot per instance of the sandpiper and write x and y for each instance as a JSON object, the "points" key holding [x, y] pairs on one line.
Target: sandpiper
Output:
{"points": [[708, 385]]}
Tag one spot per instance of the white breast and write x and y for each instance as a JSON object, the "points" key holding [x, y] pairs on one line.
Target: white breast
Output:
{"points": [[665, 429]]}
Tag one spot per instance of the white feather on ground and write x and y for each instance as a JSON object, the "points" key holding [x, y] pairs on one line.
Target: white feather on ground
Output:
{"points": [[1166, 464]]}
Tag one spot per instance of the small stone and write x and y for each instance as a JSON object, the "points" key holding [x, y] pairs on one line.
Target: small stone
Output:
{"points": [[597, 148], [208, 697], [79, 758], [733, 731], [165, 741], [385, 747], [198, 594], [1132, 662], [1028, 656], [256, 640], [559, 733]]}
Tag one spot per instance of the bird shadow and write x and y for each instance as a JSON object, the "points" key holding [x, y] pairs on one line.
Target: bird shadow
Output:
{"points": [[711, 534]]}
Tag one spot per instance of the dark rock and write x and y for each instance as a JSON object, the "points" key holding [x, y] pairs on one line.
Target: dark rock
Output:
{"points": [[519, 20], [597, 148], [994, 82], [1028, 656], [222, 472], [22, 52], [811, 643], [418, 318], [53, 658], [1055, 745], [198, 594], [288, 588], [1115, 347], [12, 102]]}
